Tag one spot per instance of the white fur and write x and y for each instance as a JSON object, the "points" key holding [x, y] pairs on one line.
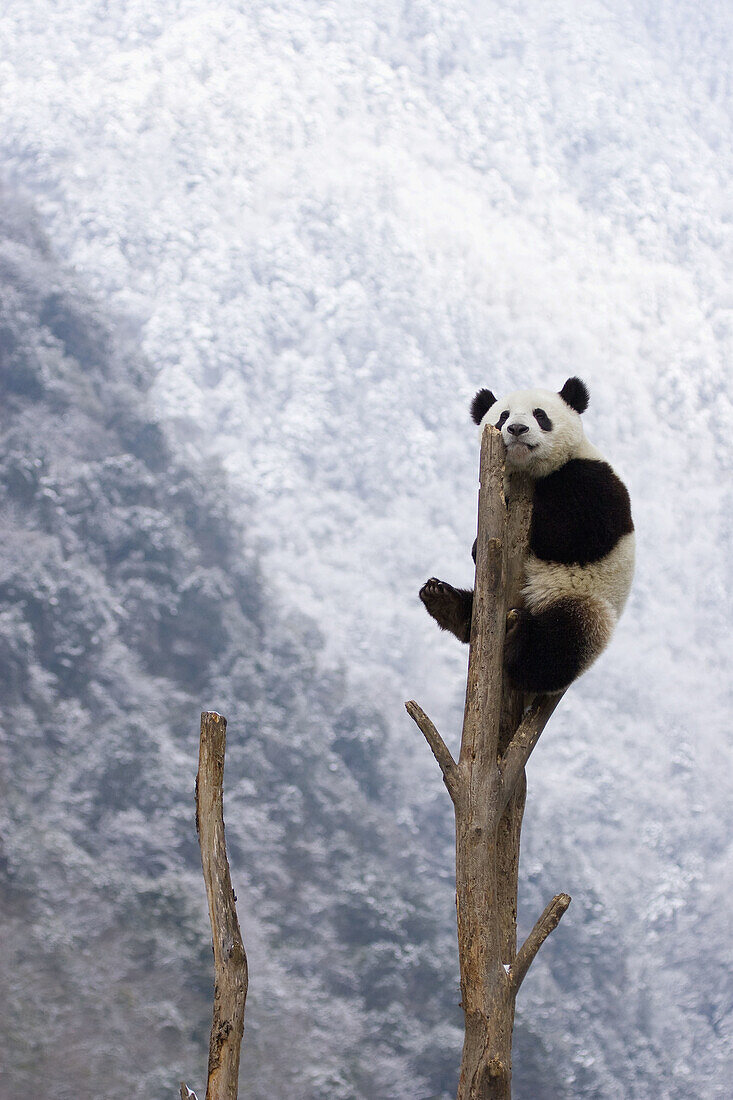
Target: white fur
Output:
{"points": [[607, 581]]}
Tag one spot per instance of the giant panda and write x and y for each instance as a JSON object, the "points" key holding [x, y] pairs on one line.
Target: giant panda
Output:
{"points": [[581, 541]]}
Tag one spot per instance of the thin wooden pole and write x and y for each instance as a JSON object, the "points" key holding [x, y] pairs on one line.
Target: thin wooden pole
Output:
{"points": [[230, 960]]}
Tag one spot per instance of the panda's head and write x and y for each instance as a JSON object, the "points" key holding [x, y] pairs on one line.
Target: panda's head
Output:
{"points": [[541, 429]]}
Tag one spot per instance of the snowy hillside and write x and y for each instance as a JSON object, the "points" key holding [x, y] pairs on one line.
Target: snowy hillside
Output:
{"points": [[328, 225], [126, 598]]}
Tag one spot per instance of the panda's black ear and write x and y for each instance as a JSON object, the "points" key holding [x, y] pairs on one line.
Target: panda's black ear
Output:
{"points": [[575, 394], [481, 403]]}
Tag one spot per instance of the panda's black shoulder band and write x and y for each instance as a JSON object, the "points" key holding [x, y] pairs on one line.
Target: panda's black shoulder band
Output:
{"points": [[579, 514], [480, 405]]}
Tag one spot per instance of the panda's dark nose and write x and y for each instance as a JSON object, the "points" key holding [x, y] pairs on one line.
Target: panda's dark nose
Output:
{"points": [[517, 429]]}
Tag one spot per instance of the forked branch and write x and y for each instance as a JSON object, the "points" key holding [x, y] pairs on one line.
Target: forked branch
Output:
{"points": [[440, 750], [547, 923], [520, 747]]}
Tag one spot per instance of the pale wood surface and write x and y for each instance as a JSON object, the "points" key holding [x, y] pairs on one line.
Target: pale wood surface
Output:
{"points": [[230, 960], [488, 789]]}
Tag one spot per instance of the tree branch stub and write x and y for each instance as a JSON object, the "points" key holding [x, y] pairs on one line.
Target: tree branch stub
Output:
{"points": [[230, 960], [440, 750], [547, 923], [520, 748]]}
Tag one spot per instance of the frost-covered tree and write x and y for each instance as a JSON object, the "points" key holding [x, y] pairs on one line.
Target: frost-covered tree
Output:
{"points": [[126, 594]]}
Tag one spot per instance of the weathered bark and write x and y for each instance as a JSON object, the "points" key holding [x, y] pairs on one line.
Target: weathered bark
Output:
{"points": [[525, 738], [440, 750], [484, 983], [230, 961], [547, 923], [487, 787], [519, 515]]}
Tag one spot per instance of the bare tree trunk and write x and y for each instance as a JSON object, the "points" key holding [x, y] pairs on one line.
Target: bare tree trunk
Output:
{"points": [[521, 491], [484, 984], [230, 961], [487, 787]]}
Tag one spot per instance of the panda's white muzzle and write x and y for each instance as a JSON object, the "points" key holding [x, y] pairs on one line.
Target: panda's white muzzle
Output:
{"points": [[520, 442]]}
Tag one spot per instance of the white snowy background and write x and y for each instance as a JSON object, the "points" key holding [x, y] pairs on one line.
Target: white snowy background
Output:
{"points": [[330, 224]]}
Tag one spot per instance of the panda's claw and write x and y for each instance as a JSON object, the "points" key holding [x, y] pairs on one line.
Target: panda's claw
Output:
{"points": [[512, 619], [432, 588], [450, 607]]}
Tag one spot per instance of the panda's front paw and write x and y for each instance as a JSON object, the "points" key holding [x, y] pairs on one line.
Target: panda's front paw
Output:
{"points": [[438, 597], [432, 589], [450, 607]]}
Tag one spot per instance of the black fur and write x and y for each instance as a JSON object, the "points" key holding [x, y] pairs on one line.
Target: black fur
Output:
{"points": [[575, 394], [480, 405], [544, 652], [450, 607], [543, 420], [580, 512]]}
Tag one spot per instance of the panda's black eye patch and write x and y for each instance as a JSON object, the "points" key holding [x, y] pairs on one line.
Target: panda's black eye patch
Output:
{"points": [[543, 419], [502, 419]]}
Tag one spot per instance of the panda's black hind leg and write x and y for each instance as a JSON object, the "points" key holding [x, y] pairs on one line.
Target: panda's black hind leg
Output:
{"points": [[450, 607], [543, 652]]}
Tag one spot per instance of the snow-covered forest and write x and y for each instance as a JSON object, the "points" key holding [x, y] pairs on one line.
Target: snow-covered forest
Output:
{"points": [[255, 259]]}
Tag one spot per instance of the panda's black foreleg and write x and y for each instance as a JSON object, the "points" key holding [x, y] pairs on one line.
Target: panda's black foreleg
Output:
{"points": [[544, 652], [450, 607]]}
